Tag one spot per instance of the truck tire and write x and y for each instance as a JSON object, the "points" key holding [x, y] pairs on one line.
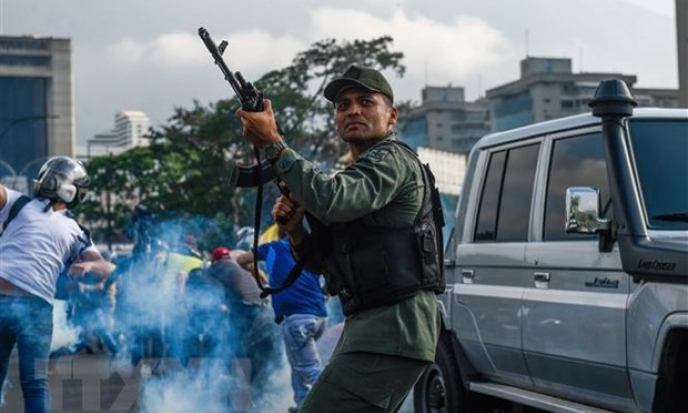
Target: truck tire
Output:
{"points": [[672, 381], [440, 389]]}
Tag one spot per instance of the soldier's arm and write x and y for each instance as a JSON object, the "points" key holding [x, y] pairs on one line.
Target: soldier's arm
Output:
{"points": [[288, 214], [369, 184]]}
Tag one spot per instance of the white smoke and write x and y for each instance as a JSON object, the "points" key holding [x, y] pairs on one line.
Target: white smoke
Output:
{"points": [[65, 334], [211, 387], [187, 391], [280, 396]]}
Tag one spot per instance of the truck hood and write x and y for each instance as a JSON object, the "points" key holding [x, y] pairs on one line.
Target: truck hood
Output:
{"points": [[670, 237]]}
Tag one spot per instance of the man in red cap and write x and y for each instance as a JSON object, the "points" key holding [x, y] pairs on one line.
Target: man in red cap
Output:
{"points": [[251, 331], [219, 253]]}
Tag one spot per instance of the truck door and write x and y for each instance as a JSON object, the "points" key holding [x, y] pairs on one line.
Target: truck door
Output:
{"points": [[574, 338], [490, 278]]}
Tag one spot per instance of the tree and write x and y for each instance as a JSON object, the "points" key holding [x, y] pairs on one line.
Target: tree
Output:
{"points": [[186, 171]]}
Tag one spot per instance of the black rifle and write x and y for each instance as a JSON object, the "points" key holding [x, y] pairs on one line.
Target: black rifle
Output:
{"points": [[262, 172], [252, 101]]}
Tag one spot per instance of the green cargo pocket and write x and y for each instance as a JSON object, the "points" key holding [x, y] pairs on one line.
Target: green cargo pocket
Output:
{"points": [[362, 385]]}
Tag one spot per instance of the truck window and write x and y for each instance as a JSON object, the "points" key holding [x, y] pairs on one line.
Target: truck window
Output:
{"points": [[576, 161], [660, 151], [504, 213]]}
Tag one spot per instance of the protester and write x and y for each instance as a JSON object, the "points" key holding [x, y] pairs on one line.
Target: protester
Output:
{"points": [[176, 267], [251, 334], [140, 302], [39, 242], [299, 309], [94, 305], [370, 220]]}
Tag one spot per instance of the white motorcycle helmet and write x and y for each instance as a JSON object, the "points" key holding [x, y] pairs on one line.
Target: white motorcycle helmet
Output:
{"points": [[64, 179]]}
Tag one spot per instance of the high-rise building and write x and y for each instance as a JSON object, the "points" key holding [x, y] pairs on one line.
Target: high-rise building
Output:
{"points": [[682, 45], [36, 103], [130, 128], [548, 89], [445, 121]]}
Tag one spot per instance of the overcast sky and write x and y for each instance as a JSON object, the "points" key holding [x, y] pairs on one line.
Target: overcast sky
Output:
{"points": [[146, 54]]}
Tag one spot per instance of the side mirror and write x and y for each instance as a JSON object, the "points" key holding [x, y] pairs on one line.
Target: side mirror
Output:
{"points": [[583, 211]]}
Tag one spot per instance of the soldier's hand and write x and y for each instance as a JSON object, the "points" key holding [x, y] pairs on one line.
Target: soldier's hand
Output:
{"points": [[288, 214], [260, 128]]}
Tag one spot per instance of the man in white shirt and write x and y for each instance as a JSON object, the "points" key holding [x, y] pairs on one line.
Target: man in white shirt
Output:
{"points": [[39, 243]]}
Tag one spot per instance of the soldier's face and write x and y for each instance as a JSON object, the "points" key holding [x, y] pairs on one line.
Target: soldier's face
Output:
{"points": [[361, 115]]}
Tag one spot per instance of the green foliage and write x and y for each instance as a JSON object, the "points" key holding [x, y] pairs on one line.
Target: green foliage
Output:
{"points": [[185, 172]]}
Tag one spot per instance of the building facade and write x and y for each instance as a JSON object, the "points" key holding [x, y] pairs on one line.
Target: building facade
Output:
{"points": [[548, 89], [449, 169], [445, 121], [36, 104], [130, 129], [682, 45]]}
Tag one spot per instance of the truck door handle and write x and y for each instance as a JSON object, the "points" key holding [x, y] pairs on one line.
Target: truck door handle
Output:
{"points": [[542, 276], [542, 280], [468, 276]]}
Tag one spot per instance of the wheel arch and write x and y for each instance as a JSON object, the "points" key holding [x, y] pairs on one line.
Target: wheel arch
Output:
{"points": [[466, 368], [672, 368]]}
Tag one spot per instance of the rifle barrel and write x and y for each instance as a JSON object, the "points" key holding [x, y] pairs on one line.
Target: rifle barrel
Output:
{"points": [[220, 62]]}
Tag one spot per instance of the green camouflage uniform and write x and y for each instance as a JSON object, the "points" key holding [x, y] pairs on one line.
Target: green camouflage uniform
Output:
{"points": [[382, 351]]}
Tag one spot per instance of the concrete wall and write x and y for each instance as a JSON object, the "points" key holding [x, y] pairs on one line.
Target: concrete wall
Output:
{"points": [[61, 135]]}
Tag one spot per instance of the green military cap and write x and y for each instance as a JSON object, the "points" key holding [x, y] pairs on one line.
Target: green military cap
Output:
{"points": [[361, 77]]}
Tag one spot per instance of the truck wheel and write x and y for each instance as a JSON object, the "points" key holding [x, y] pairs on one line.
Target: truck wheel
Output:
{"points": [[440, 388]]}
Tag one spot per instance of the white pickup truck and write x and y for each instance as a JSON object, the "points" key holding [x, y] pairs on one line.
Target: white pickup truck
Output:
{"points": [[567, 271]]}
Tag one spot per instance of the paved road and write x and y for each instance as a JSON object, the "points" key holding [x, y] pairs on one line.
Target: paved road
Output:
{"points": [[92, 383]]}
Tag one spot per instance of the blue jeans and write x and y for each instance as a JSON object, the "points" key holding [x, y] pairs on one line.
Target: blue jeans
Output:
{"points": [[28, 322], [300, 332]]}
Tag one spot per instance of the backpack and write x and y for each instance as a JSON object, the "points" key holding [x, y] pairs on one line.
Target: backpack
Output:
{"points": [[14, 211], [64, 283]]}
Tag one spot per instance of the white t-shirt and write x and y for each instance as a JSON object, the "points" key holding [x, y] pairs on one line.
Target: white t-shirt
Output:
{"points": [[36, 246]]}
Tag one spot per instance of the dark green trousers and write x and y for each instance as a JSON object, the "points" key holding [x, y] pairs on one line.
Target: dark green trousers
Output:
{"points": [[363, 382]]}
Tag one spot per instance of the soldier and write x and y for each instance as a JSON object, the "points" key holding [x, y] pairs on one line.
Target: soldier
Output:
{"points": [[37, 245], [378, 248]]}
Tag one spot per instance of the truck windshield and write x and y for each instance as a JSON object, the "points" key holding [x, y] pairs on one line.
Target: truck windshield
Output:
{"points": [[660, 149]]}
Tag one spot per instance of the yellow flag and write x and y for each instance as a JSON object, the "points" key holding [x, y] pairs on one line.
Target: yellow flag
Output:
{"points": [[270, 234]]}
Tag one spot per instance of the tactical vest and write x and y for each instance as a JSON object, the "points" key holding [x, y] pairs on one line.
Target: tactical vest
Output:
{"points": [[370, 267]]}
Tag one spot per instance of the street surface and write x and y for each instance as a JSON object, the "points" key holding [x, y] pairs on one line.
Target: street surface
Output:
{"points": [[92, 383]]}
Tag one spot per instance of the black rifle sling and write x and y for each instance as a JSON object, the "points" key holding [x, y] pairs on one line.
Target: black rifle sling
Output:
{"points": [[14, 211], [256, 226], [296, 271]]}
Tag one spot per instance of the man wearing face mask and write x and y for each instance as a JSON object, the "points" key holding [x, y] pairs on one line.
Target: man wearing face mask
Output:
{"points": [[379, 249]]}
